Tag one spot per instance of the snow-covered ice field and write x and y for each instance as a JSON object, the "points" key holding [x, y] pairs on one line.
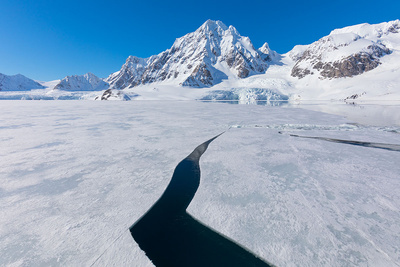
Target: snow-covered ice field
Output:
{"points": [[76, 174]]}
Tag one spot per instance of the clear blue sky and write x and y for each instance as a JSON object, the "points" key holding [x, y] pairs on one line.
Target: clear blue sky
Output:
{"points": [[50, 39]]}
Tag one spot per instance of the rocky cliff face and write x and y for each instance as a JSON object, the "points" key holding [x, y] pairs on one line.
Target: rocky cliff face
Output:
{"points": [[345, 52], [199, 59], [130, 74], [113, 94], [87, 82], [17, 83]]}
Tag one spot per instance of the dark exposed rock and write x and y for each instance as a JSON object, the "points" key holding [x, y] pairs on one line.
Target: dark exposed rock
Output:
{"points": [[106, 94], [200, 76], [347, 67], [113, 94], [393, 29], [243, 72], [355, 96], [299, 72]]}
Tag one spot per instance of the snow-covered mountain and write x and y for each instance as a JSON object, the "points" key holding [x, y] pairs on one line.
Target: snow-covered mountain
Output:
{"points": [[360, 61], [346, 52], [17, 83], [215, 52], [199, 59], [86, 82]]}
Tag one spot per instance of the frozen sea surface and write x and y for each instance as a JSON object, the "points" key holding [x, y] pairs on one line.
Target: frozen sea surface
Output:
{"points": [[76, 174]]}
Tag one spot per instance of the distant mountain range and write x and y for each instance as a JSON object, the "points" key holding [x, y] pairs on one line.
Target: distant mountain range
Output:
{"points": [[218, 56], [87, 82], [18, 83]]}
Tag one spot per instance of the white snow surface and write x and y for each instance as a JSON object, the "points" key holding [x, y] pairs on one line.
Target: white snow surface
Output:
{"points": [[76, 174], [50, 84], [366, 30]]}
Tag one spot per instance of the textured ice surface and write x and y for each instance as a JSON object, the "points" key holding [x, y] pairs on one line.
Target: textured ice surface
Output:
{"points": [[76, 174]]}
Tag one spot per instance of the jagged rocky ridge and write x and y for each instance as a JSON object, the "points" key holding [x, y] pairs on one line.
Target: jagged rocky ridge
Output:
{"points": [[215, 52], [199, 59], [17, 83], [345, 52], [86, 82]]}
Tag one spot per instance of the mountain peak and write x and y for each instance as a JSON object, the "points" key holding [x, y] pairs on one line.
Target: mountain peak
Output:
{"points": [[212, 25], [90, 75], [86, 82], [198, 59], [17, 82], [264, 48], [133, 59]]}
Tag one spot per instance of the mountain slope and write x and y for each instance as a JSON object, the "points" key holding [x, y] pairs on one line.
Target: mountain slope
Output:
{"points": [[347, 52], [199, 59], [360, 61], [86, 82], [17, 83]]}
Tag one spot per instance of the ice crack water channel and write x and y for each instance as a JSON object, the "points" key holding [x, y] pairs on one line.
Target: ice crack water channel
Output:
{"points": [[391, 147], [342, 127], [172, 237]]}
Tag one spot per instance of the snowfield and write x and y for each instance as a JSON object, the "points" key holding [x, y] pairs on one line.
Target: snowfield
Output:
{"points": [[75, 175]]}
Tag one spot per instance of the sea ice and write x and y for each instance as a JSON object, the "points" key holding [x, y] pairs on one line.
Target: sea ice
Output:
{"points": [[76, 174]]}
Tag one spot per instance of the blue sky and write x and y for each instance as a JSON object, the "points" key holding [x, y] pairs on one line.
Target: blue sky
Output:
{"points": [[48, 40]]}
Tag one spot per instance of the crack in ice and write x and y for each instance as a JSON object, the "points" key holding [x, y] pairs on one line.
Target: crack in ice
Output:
{"points": [[171, 237]]}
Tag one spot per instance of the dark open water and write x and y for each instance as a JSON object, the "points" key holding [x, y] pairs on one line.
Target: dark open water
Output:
{"points": [[171, 237]]}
